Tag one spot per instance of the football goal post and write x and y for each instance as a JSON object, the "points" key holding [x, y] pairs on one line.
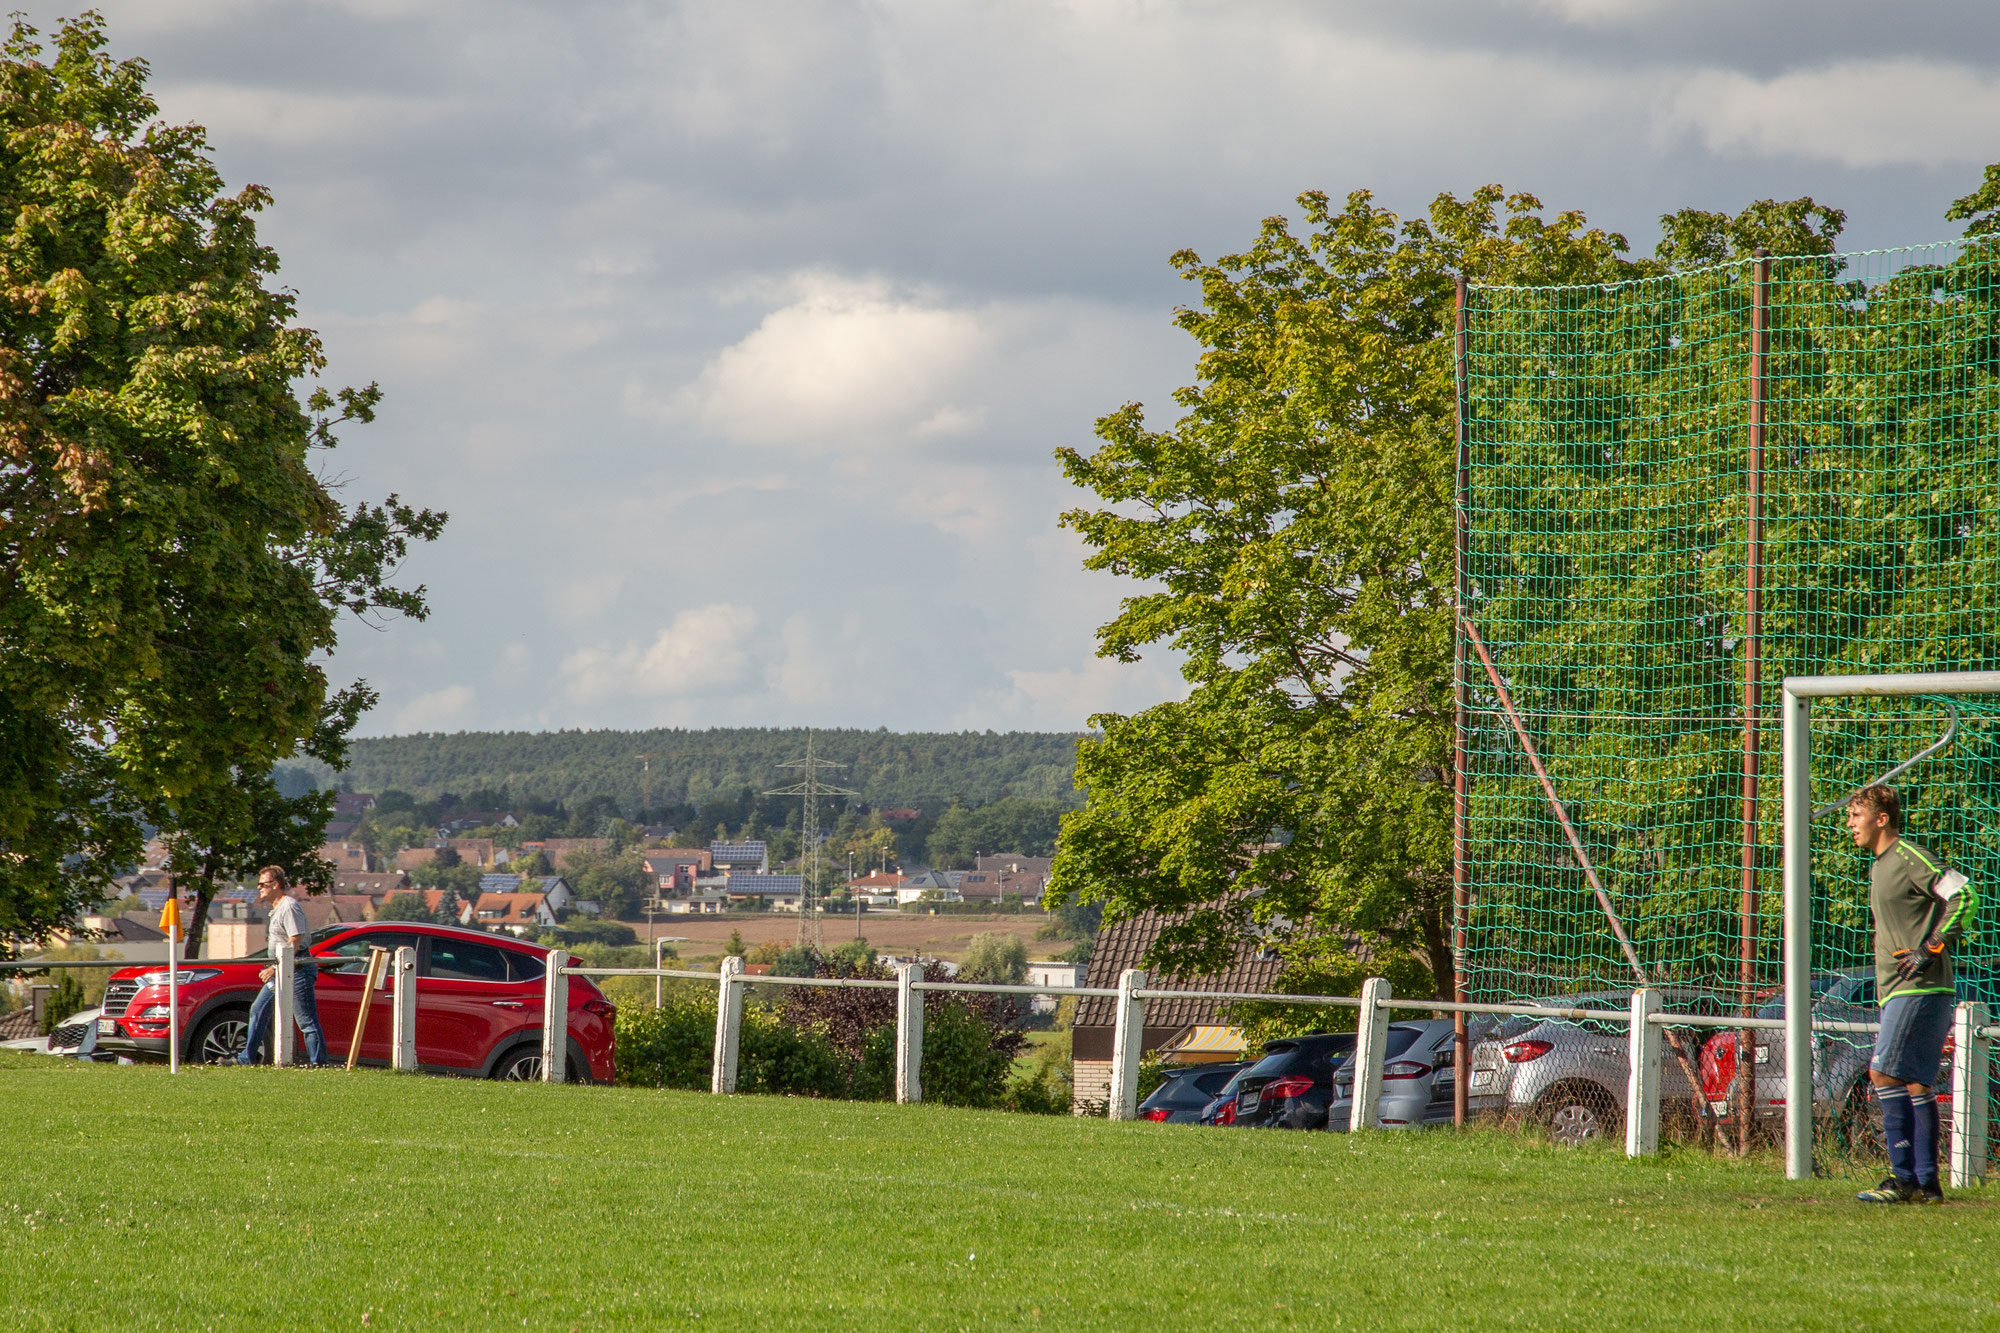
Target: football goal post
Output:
{"points": [[1796, 706]]}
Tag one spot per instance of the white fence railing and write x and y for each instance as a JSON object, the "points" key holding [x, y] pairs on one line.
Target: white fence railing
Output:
{"points": [[1645, 1022]]}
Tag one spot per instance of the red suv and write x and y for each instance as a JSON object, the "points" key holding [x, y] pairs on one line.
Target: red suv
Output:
{"points": [[479, 1004]]}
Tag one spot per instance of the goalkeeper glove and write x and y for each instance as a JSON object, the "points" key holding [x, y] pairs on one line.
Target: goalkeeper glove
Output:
{"points": [[1909, 962]]}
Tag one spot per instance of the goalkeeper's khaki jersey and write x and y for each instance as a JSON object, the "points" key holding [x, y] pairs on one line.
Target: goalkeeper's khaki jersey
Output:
{"points": [[1913, 895]]}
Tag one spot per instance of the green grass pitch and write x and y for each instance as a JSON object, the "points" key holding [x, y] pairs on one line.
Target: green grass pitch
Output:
{"points": [[259, 1199]]}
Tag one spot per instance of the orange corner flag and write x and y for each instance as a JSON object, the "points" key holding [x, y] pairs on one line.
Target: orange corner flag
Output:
{"points": [[170, 916]]}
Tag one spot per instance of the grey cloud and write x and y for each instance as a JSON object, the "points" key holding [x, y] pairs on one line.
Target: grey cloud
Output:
{"points": [[540, 225]]}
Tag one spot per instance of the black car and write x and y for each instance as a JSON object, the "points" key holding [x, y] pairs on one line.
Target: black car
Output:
{"points": [[1292, 1086], [1222, 1111], [1187, 1091]]}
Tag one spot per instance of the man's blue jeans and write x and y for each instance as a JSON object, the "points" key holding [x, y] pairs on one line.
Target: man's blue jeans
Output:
{"points": [[305, 1012]]}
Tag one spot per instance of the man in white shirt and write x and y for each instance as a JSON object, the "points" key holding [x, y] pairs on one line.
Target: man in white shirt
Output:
{"points": [[287, 933]]}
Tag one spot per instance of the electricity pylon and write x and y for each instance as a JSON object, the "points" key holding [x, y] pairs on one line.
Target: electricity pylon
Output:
{"points": [[811, 789]]}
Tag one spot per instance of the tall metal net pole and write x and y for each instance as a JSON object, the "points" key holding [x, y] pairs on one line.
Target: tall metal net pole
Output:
{"points": [[810, 933], [1753, 634], [1461, 1060]]}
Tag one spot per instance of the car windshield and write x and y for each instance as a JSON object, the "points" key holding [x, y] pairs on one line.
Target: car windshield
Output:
{"points": [[1822, 984], [313, 941]]}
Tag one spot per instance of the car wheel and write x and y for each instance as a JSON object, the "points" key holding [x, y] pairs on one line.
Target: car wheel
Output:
{"points": [[1578, 1115], [523, 1065], [219, 1038]]}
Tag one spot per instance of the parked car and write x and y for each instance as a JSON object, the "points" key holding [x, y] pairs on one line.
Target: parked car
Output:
{"points": [[1222, 1111], [1847, 1114], [479, 1004], [1413, 1093], [75, 1036], [1569, 1076], [1187, 1090], [1292, 1085]]}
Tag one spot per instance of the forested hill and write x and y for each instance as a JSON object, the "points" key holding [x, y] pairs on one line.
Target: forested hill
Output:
{"points": [[692, 767]]}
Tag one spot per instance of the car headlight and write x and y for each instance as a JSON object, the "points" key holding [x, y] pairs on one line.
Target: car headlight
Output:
{"points": [[186, 976]]}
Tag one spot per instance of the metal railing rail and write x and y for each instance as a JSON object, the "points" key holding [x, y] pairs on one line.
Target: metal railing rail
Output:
{"points": [[1645, 1021]]}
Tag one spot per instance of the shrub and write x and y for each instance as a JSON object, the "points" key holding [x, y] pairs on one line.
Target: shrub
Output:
{"points": [[672, 1046], [585, 931], [963, 1064]]}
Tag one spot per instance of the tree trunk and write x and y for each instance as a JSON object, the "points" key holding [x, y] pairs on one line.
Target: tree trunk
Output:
{"points": [[1437, 946], [197, 922]]}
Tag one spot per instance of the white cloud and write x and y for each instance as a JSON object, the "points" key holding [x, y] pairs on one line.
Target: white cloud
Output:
{"points": [[705, 649], [1065, 698], [846, 359], [436, 711], [1859, 113]]}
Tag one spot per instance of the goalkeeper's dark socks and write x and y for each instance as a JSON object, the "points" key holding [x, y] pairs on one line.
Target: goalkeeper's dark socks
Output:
{"points": [[1897, 1130], [1924, 1138]]}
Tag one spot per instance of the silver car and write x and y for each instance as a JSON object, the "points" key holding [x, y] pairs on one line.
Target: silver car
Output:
{"points": [[1416, 1077], [1569, 1076]]}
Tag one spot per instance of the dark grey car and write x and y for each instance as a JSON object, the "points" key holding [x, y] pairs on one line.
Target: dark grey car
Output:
{"points": [[1188, 1089]]}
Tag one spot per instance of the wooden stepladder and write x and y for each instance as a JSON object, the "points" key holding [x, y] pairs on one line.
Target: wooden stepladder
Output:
{"points": [[378, 967]]}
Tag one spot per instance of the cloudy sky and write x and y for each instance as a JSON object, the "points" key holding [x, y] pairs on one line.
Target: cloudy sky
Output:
{"points": [[736, 337]]}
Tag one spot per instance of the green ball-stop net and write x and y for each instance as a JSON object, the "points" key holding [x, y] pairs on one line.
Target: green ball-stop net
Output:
{"points": [[1608, 446]]}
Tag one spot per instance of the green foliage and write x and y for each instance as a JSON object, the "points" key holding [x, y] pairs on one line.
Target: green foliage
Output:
{"points": [[616, 881], [461, 877], [735, 947], [1980, 210], [1012, 824], [715, 770], [1294, 528], [403, 907], [671, 1046], [995, 957], [1070, 919], [67, 998], [175, 566], [1152, 1073], [962, 1066], [574, 933], [1607, 479], [1045, 1087]]}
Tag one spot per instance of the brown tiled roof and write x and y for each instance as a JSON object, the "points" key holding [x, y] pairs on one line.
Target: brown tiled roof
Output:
{"points": [[18, 1026], [1124, 943]]}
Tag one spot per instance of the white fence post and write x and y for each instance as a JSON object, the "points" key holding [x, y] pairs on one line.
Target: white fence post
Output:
{"points": [[1796, 773], [1642, 1083], [403, 1053], [909, 1033], [1970, 1058], [728, 1026], [1371, 1039], [281, 1008], [555, 1018], [1126, 1038]]}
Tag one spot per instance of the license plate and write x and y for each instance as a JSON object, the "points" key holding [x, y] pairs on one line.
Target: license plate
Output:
{"points": [[1483, 1078], [1719, 1106], [1763, 1056]]}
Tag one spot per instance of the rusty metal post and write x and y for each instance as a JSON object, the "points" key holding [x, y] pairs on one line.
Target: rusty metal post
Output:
{"points": [[1461, 870], [1753, 633]]}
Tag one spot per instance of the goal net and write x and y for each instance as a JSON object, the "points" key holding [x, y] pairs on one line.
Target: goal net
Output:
{"points": [[1622, 528]]}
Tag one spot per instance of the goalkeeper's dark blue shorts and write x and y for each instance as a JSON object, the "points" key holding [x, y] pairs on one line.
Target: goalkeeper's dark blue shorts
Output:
{"points": [[1911, 1042]]}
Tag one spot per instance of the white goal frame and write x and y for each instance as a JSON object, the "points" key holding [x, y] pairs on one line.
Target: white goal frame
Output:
{"points": [[1799, 692]]}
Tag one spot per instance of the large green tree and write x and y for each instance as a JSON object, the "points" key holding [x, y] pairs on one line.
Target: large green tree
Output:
{"points": [[172, 566], [1294, 530]]}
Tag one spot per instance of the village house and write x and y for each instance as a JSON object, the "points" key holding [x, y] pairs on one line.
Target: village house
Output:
{"points": [[1124, 944]]}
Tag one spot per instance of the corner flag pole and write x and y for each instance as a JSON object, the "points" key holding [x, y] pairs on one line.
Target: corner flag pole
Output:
{"points": [[170, 922]]}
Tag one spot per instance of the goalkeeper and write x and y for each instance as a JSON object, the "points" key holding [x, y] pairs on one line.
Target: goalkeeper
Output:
{"points": [[1921, 909]]}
